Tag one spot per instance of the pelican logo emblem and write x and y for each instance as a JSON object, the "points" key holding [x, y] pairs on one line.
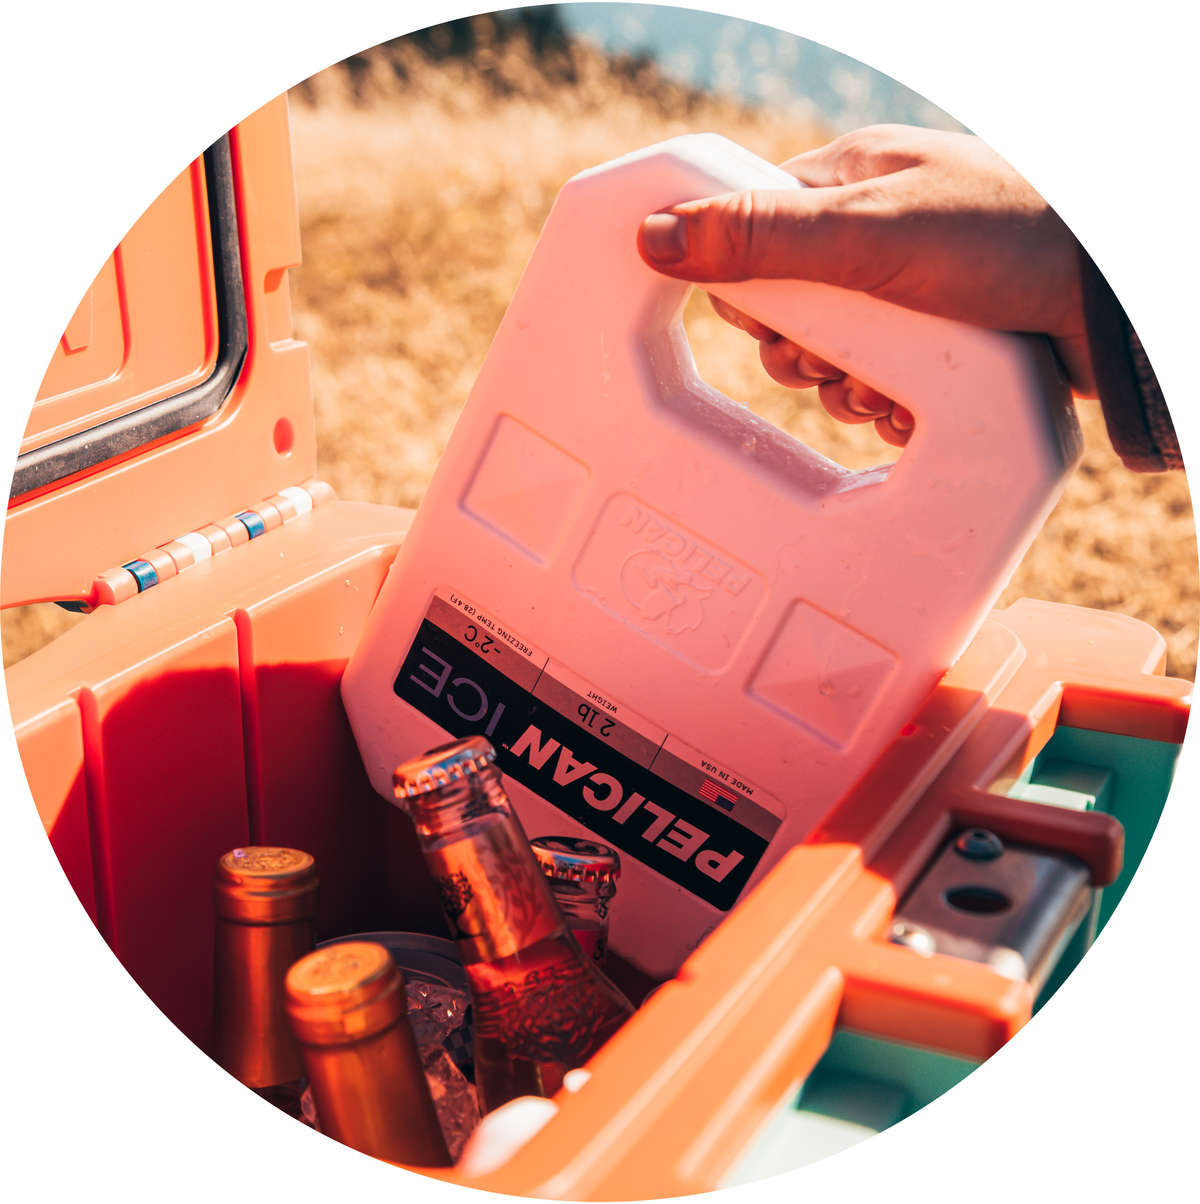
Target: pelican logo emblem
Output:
{"points": [[683, 592], [664, 592]]}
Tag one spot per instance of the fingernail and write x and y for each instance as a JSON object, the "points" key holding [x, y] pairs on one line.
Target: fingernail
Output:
{"points": [[664, 238], [806, 369], [855, 405], [902, 420]]}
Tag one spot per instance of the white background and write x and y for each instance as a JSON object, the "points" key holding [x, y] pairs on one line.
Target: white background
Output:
{"points": [[104, 103]]}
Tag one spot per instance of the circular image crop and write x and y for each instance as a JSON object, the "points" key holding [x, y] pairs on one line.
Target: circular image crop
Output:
{"points": [[748, 474]]}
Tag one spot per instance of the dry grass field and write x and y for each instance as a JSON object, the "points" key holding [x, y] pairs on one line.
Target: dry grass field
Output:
{"points": [[422, 187]]}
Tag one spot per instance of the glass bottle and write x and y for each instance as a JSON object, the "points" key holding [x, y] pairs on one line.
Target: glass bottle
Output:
{"points": [[347, 1008], [583, 880], [541, 1006], [265, 900]]}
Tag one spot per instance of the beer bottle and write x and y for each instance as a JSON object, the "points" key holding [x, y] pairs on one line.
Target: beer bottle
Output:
{"points": [[540, 1006], [265, 901], [347, 1007], [583, 880]]}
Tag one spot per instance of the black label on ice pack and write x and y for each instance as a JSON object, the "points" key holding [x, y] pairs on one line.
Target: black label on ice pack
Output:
{"points": [[707, 852]]}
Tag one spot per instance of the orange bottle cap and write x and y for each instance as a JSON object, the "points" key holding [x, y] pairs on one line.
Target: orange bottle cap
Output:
{"points": [[344, 992], [265, 885]]}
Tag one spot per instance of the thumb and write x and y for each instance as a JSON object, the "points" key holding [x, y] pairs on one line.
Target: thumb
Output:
{"points": [[829, 235]]}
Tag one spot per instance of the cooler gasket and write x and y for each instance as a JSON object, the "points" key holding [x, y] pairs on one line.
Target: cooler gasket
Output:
{"points": [[43, 466]]}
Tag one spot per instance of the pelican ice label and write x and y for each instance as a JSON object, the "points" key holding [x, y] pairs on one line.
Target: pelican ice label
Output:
{"points": [[599, 764]]}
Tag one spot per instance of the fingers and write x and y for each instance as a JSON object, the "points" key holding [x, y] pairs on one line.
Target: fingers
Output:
{"points": [[845, 398], [850, 400], [788, 363], [896, 428], [735, 236], [801, 234], [831, 235], [752, 326], [793, 366]]}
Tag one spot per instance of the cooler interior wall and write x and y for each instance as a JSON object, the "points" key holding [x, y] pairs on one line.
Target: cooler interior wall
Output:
{"points": [[205, 714]]}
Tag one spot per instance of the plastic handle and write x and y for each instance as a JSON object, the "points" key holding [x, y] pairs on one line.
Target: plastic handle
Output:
{"points": [[974, 392]]}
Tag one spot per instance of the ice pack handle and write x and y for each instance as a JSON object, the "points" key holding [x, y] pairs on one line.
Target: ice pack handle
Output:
{"points": [[977, 395]]}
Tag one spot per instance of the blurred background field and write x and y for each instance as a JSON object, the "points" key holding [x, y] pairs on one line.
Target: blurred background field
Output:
{"points": [[425, 169]]}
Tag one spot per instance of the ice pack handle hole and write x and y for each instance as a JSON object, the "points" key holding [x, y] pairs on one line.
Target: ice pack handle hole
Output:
{"points": [[728, 361]]}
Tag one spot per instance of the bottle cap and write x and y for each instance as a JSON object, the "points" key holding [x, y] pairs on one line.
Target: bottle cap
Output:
{"points": [[266, 885], [442, 765], [569, 859], [344, 992]]}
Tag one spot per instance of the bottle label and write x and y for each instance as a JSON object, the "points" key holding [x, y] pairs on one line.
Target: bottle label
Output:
{"points": [[593, 942], [634, 785], [494, 895], [547, 1009]]}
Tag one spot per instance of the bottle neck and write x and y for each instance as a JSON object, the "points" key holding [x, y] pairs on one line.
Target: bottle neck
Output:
{"points": [[495, 896], [372, 1094], [579, 901], [251, 1037], [458, 807], [586, 914]]}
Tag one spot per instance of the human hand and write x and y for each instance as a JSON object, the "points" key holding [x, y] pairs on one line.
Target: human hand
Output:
{"points": [[930, 220]]}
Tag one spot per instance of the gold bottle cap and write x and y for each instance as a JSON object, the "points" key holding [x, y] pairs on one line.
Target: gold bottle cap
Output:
{"points": [[344, 992], [442, 765], [265, 885]]}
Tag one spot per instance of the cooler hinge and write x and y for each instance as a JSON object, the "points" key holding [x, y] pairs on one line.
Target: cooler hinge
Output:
{"points": [[138, 575]]}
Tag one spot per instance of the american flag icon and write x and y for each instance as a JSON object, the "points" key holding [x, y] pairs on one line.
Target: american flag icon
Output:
{"points": [[713, 792]]}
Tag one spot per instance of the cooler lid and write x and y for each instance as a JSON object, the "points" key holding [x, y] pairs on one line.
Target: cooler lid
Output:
{"points": [[177, 394]]}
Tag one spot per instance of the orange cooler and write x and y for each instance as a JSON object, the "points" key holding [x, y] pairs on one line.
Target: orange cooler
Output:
{"points": [[170, 462]]}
